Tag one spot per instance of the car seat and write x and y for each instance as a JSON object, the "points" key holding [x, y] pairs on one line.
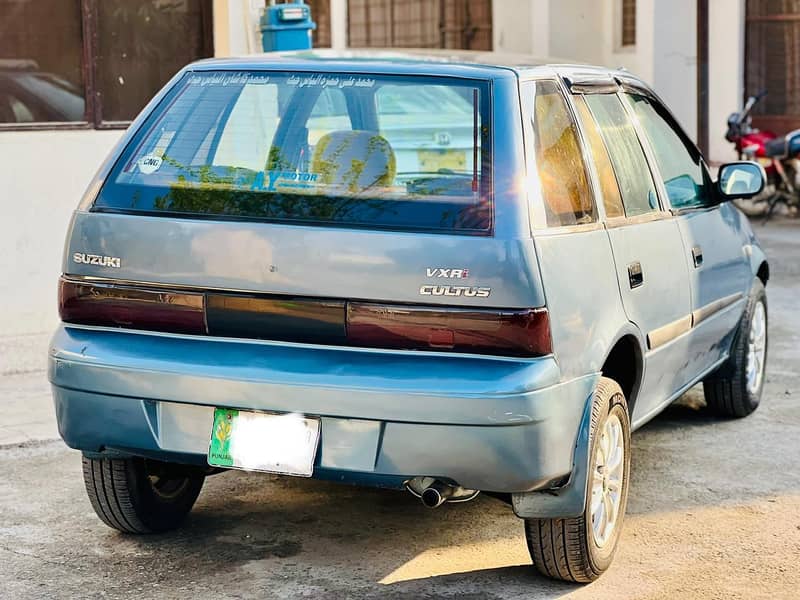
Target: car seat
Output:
{"points": [[357, 160]]}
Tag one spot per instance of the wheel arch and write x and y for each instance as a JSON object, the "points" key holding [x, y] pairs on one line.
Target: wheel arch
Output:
{"points": [[624, 363], [763, 272], [625, 359], [759, 265]]}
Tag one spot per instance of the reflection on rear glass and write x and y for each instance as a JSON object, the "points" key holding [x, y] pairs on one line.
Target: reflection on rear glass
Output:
{"points": [[386, 151]]}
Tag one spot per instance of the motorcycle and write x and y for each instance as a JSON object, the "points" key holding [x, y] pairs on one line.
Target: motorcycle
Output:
{"points": [[779, 155]]}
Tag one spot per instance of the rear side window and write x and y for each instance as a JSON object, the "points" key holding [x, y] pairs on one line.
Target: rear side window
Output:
{"points": [[559, 162], [312, 148], [630, 166], [612, 201]]}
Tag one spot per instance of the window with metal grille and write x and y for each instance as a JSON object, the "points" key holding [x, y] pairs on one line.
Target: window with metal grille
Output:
{"points": [[321, 14], [772, 62], [82, 63], [457, 24], [628, 22]]}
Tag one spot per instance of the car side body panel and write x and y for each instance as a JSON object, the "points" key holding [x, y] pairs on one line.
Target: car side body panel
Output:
{"points": [[582, 294], [720, 279], [657, 248]]}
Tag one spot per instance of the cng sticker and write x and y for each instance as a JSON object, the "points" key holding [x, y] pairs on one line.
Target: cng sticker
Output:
{"points": [[149, 164]]}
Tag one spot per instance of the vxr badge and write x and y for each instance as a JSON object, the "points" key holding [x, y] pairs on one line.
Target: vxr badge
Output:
{"points": [[447, 273]]}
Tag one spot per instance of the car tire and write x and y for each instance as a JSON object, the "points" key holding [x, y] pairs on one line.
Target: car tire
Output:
{"points": [[734, 390], [136, 495], [580, 549]]}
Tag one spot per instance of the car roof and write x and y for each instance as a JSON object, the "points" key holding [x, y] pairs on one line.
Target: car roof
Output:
{"points": [[423, 61]]}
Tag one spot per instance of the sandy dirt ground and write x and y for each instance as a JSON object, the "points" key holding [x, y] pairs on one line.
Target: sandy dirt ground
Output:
{"points": [[714, 512]]}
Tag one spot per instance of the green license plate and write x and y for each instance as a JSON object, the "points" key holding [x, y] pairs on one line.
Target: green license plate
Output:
{"points": [[272, 443]]}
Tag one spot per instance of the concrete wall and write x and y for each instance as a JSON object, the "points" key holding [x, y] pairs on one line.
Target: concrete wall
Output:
{"points": [[42, 177], [675, 59], [576, 32], [521, 26], [236, 27], [726, 72], [637, 59], [338, 24]]}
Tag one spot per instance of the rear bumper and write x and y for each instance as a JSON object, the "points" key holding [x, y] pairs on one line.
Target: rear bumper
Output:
{"points": [[487, 423]]}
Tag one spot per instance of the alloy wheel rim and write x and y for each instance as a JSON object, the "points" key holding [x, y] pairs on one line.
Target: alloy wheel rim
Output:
{"points": [[756, 348], [607, 484]]}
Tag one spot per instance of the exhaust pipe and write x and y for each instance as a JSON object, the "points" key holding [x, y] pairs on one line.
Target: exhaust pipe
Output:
{"points": [[436, 494]]}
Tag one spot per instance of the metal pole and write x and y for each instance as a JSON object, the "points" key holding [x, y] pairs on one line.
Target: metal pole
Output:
{"points": [[702, 75]]}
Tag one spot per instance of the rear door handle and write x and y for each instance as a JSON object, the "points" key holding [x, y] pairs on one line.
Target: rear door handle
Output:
{"points": [[697, 256], [635, 275]]}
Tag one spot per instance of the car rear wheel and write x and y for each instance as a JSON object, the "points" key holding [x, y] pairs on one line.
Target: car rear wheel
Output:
{"points": [[581, 549], [734, 390], [136, 495]]}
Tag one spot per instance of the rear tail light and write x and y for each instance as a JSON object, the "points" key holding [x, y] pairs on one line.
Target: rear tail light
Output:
{"points": [[504, 332], [524, 332], [135, 308]]}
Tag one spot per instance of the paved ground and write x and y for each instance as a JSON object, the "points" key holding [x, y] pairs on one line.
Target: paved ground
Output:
{"points": [[714, 511]]}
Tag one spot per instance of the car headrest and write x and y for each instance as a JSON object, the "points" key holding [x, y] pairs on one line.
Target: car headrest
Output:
{"points": [[355, 159]]}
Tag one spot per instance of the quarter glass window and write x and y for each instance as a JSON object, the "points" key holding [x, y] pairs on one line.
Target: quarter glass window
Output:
{"points": [[559, 162]]}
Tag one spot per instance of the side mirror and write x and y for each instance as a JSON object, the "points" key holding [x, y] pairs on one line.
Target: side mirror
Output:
{"points": [[740, 180]]}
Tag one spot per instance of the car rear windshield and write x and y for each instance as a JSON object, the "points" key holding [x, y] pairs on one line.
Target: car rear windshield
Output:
{"points": [[378, 151]]}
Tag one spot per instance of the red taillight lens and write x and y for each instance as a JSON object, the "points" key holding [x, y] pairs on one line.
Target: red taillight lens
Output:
{"points": [[504, 332], [524, 332], [135, 308]]}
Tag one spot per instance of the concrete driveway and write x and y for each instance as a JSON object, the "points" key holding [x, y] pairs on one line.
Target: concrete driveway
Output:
{"points": [[714, 512]]}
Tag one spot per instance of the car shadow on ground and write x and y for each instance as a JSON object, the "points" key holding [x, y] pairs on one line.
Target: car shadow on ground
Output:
{"points": [[687, 457], [380, 542], [370, 542], [690, 410], [373, 542]]}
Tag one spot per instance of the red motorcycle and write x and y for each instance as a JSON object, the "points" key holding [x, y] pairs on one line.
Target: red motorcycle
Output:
{"points": [[779, 155]]}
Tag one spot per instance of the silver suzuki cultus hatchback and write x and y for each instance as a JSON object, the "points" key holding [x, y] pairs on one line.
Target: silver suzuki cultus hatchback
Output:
{"points": [[446, 273]]}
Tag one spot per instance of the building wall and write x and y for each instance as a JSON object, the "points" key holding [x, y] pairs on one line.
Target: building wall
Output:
{"points": [[338, 24], [44, 175], [638, 59], [675, 59], [665, 54], [726, 72], [521, 27], [574, 30], [236, 27]]}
